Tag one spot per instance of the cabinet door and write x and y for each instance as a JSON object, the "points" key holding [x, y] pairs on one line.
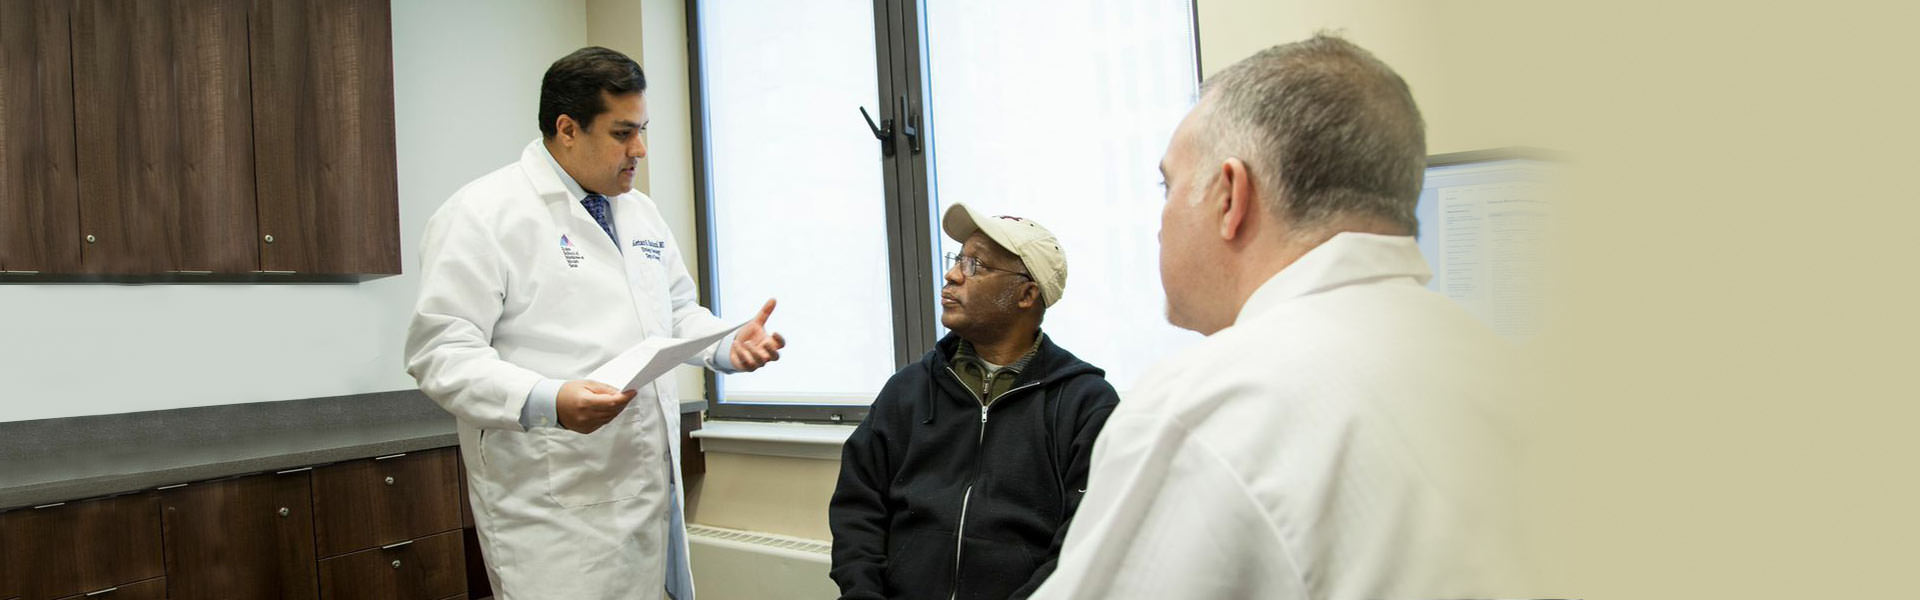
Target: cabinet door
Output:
{"points": [[241, 538], [80, 547], [430, 567], [323, 136], [39, 222], [368, 503], [9, 566], [164, 125]]}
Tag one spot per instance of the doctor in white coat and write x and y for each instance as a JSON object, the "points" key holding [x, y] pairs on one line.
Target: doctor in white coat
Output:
{"points": [[531, 276], [1337, 434]]}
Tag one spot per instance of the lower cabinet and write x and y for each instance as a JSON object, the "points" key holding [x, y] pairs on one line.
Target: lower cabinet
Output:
{"points": [[388, 528], [151, 589], [250, 537], [74, 548], [429, 568]]}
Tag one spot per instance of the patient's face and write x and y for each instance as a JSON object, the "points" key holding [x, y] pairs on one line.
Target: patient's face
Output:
{"points": [[987, 299]]}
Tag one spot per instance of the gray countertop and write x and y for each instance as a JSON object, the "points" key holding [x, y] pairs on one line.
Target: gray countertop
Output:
{"points": [[57, 460]]}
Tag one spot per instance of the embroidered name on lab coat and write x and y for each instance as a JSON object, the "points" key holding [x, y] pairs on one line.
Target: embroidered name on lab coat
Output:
{"points": [[566, 251], [652, 248]]}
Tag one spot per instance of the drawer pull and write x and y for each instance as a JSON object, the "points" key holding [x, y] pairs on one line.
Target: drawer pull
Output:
{"points": [[396, 564], [111, 589], [389, 480], [390, 456], [392, 546], [284, 512], [49, 505], [292, 471], [169, 487]]}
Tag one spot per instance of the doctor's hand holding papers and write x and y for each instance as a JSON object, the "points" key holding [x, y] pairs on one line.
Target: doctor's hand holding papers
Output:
{"points": [[585, 405]]}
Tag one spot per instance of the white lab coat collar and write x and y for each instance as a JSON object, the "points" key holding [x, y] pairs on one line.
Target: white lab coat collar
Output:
{"points": [[1346, 258], [574, 191]]}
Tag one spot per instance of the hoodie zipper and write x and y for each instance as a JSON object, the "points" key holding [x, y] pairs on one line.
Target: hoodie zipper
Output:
{"points": [[960, 531]]}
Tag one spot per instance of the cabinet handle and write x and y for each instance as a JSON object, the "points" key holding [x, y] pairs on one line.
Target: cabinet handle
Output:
{"points": [[392, 546], [389, 480], [390, 456], [108, 590], [396, 564], [284, 512], [91, 239], [269, 238]]}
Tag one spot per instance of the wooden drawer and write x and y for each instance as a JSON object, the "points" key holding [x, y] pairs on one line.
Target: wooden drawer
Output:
{"points": [[250, 537], [151, 589], [78, 547], [375, 502], [9, 566], [424, 569]]}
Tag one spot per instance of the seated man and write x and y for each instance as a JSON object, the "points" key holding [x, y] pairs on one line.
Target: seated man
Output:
{"points": [[961, 480]]}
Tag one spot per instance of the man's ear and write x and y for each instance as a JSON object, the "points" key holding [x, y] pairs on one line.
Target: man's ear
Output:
{"points": [[1030, 296], [1235, 184], [565, 130]]}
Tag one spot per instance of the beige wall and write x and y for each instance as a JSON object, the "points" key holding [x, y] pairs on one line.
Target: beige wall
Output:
{"points": [[1459, 58]]}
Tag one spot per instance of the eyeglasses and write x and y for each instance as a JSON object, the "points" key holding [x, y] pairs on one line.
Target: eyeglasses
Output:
{"points": [[970, 265]]}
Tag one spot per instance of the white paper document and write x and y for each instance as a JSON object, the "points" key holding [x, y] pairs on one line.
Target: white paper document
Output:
{"points": [[648, 360]]}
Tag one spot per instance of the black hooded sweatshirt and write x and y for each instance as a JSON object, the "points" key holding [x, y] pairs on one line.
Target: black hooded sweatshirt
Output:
{"points": [[931, 472]]}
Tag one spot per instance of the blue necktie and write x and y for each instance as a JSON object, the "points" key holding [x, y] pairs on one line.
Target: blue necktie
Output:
{"points": [[597, 206]]}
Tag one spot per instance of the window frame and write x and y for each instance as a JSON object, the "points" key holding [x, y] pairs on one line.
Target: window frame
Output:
{"points": [[914, 264]]}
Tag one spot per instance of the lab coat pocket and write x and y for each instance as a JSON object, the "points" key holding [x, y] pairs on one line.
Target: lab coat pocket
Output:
{"points": [[603, 466]]}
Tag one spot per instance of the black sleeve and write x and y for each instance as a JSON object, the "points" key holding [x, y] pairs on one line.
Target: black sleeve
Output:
{"points": [[858, 514], [1093, 416]]}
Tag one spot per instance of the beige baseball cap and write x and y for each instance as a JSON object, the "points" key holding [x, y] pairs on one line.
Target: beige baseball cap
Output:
{"points": [[1036, 247]]}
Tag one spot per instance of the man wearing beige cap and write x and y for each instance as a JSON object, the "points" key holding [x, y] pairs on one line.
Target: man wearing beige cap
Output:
{"points": [[962, 478]]}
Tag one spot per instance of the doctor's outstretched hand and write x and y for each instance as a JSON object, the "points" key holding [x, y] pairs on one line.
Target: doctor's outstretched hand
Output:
{"points": [[583, 406], [754, 346]]}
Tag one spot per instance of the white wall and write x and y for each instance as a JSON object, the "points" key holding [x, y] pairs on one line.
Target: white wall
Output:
{"points": [[466, 87]]}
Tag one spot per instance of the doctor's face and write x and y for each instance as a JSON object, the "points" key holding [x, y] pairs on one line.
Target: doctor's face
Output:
{"points": [[1189, 267], [605, 154]]}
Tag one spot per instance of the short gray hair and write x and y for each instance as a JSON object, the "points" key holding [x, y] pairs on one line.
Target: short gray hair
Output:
{"points": [[1328, 131]]}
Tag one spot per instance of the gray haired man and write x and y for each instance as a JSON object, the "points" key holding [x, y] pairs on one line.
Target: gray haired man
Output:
{"points": [[1330, 437]]}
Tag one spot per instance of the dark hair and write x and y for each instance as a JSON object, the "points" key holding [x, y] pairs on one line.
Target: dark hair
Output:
{"points": [[1336, 127], [574, 83]]}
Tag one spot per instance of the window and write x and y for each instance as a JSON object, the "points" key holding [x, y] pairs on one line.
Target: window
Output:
{"points": [[1056, 112]]}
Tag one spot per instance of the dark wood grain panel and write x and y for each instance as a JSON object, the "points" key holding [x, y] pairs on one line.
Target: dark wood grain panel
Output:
{"points": [[324, 137], [212, 223], [9, 566], [250, 537], [367, 503], [163, 109], [128, 149], [39, 220], [427, 568], [85, 546]]}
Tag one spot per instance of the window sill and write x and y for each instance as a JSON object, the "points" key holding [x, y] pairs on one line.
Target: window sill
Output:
{"points": [[793, 440]]}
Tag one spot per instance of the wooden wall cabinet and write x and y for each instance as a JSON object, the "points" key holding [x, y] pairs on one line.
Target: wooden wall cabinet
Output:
{"points": [[163, 115], [39, 228], [250, 537], [324, 139], [186, 137]]}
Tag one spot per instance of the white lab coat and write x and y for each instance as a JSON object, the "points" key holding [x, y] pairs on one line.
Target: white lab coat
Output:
{"points": [[518, 283], [1341, 440]]}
